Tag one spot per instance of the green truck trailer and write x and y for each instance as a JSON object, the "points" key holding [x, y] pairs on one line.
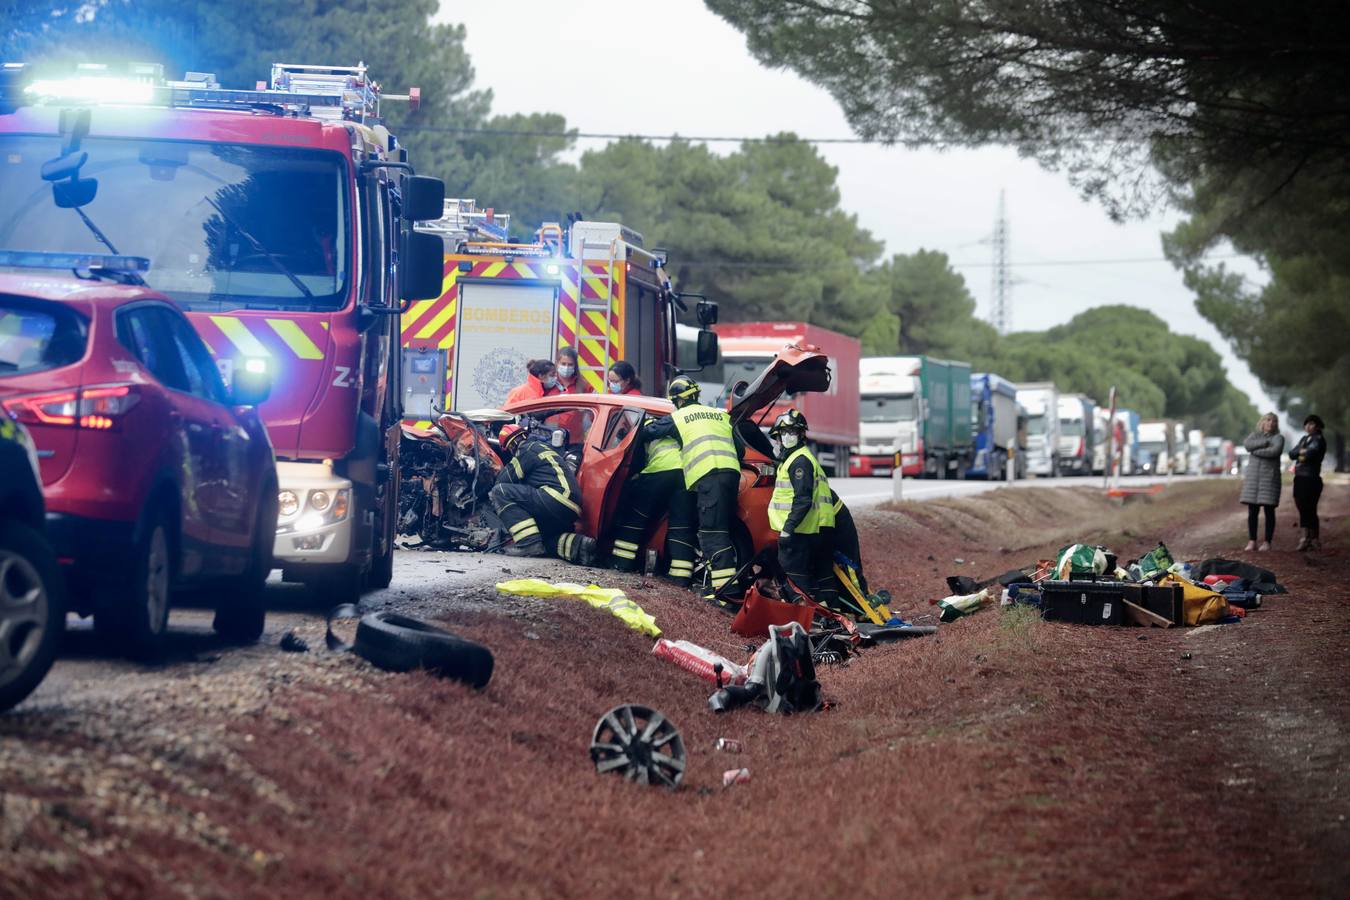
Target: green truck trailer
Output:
{"points": [[916, 414]]}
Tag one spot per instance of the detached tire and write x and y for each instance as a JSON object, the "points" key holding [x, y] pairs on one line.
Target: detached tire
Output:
{"points": [[400, 644], [32, 611]]}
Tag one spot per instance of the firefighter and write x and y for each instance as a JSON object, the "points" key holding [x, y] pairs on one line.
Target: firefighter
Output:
{"points": [[802, 512], [537, 498], [710, 457], [658, 488]]}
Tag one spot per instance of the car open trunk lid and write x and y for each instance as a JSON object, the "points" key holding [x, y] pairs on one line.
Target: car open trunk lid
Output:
{"points": [[794, 369]]}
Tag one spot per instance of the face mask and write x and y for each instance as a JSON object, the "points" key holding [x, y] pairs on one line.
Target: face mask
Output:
{"points": [[567, 371], [614, 386], [549, 382], [789, 440]]}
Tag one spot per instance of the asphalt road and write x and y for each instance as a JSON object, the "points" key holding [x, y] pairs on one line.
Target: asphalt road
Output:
{"points": [[868, 491]]}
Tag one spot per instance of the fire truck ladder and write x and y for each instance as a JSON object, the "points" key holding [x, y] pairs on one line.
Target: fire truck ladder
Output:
{"points": [[602, 303]]}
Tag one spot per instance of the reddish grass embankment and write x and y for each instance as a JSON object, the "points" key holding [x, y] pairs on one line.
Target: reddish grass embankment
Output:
{"points": [[1005, 756]]}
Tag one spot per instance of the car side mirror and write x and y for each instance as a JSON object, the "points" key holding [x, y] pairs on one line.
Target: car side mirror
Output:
{"points": [[739, 388], [423, 198], [707, 313], [420, 266], [250, 388], [706, 349]]}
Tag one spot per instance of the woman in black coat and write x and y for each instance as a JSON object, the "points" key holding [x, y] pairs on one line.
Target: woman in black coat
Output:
{"points": [[1307, 455]]}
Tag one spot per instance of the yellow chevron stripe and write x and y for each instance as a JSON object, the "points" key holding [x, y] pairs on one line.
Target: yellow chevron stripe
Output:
{"points": [[598, 286], [438, 320], [525, 270], [567, 318], [594, 379], [240, 336], [493, 270], [415, 312], [449, 340], [296, 339]]}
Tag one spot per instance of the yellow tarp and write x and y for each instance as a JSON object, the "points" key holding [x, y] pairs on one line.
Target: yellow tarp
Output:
{"points": [[612, 599]]}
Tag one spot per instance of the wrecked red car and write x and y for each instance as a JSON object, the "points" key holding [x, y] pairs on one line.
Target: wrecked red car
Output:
{"points": [[447, 471]]}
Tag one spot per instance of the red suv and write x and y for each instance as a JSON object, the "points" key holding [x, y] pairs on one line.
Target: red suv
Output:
{"points": [[156, 476]]}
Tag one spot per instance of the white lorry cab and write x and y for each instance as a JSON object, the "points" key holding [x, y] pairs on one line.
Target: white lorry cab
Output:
{"points": [[1041, 401]]}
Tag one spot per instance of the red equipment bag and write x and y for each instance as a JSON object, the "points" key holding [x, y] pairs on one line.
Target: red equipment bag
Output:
{"points": [[758, 612]]}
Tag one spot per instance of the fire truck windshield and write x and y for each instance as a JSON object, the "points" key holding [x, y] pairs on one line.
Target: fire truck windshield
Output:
{"points": [[225, 226]]}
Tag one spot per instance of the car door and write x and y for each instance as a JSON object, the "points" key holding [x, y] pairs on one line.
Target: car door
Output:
{"points": [[228, 492], [145, 330], [606, 464]]}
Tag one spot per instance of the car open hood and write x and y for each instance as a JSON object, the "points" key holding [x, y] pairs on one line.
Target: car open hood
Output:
{"points": [[796, 368]]}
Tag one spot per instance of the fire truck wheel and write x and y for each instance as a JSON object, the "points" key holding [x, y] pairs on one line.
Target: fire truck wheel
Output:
{"points": [[381, 573], [401, 644]]}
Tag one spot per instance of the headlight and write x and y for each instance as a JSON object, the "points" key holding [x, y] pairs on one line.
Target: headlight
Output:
{"points": [[287, 503], [319, 500]]}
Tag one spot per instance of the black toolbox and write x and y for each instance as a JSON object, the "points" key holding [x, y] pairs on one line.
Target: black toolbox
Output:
{"points": [[1087, 602], [1164, 600]]}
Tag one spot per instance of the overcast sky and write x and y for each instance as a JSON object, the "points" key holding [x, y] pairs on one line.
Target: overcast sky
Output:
{"points": [[644, 67]]}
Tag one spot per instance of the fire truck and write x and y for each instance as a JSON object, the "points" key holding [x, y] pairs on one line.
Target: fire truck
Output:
{"points": [[281, 220], [592, 286]]}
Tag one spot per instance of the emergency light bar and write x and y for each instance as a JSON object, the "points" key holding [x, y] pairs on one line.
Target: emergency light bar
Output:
{"points": [[335, 92], [85, 262]]}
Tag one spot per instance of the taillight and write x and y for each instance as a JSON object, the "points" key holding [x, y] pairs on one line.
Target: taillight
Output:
{"points": [[97, 408]]}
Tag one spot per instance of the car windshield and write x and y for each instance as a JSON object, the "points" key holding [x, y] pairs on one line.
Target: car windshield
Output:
{"points": [[735, 370], [892, 408], [1071, 427], [1153, 446], [1036, 424], [224, 226]]}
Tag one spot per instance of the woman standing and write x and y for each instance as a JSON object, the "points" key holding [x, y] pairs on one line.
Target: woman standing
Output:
{"points": [[541, 380], [1261, 482], [1307, 455], [569, 375], [623, 379]]}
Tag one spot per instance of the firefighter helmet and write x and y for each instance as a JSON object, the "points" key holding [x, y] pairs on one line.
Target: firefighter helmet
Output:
{"points": [[510, 437], [792, 420], [682, 391]]}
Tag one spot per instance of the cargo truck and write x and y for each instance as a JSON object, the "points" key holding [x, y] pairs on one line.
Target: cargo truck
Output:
{"points": [[1195, 460], [994, 414], [1128, 450], [1155, 447], [1076, 434], [747, 347], [1041, 400], [915, 413]]}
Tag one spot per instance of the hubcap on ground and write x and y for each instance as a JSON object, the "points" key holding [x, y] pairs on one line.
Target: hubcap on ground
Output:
{"points": [[641, 744], [157, 581], [23, 614]]}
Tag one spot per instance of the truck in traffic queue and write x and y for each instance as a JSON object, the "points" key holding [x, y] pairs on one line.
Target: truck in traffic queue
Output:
{"points": [[833, 431], [1195, 451], [915, 413], [1041, 401], [995, 412], [1219, 456], [591, 286], [1181, 449], [280, 220], [1127, 451], [1101, 431], [1156, 448], [1077, 434]]}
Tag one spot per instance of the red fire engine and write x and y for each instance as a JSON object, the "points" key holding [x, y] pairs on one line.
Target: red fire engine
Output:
{"points": [[280, 219]]}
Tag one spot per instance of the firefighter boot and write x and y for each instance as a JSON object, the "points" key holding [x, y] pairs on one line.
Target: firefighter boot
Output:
{"points": [[528, 547]]}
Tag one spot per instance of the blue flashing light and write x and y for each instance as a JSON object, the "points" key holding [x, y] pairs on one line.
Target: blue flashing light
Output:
{"points": [[42, 259]]}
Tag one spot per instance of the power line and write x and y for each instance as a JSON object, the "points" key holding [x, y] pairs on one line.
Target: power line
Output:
{"points": [[908, 143], [719, 264]]}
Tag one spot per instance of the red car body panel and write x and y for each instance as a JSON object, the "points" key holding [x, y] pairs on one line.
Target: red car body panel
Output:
{"points": [[97, 482]]}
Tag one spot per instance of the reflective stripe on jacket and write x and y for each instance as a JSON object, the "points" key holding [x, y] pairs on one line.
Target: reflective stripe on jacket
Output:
{"points": [[822, 504], [706, 443], [539, 466]]}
